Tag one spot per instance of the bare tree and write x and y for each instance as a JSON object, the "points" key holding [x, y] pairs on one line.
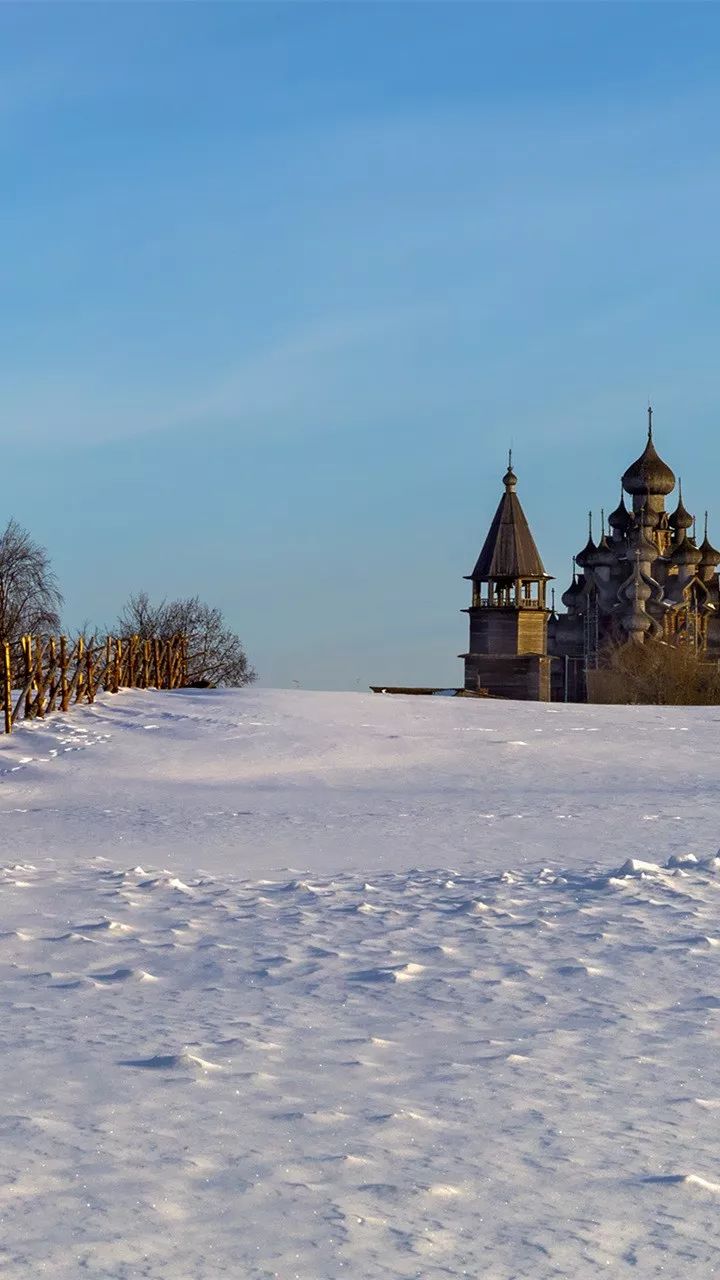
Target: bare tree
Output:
{"points": [[215, 653], [141, 618], [29, 595]]}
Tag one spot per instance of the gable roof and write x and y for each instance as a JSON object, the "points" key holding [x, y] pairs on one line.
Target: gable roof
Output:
{"points": [[509, 550]]}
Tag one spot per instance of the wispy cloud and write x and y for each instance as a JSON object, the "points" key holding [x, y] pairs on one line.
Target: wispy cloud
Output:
{"points": [[277, 387]]}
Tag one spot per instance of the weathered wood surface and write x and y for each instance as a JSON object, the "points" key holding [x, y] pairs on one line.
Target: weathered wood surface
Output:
{"points": [[41, 674]]}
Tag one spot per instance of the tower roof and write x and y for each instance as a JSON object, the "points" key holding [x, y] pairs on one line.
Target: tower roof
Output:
{"points": [[576, 588], [710, 556], [686, 552], [509, 550], [604, 554], [620, 518], [649, 474], [680, 518], [585, 556]]}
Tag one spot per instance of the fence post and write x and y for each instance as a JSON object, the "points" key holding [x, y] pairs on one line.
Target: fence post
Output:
{"points": [[90, 670], [78, 670], [7, 687], [183, 661], [52, 664], [118, 662], [131, 662], [63, 674], [39, 678], [27, 654], [107, 680], [146, 664]]}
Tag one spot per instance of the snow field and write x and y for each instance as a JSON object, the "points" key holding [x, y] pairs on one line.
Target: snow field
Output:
{"points": [[372, 1064], [257, 780]]}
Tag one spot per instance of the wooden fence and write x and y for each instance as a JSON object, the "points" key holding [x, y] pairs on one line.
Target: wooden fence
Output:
{"points": [[41, 674]]}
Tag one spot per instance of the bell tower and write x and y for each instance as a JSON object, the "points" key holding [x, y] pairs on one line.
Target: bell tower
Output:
{"points": [[508, 615]]}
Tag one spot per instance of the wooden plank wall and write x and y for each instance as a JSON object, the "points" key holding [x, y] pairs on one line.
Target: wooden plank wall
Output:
{"points": [[41, 674]]}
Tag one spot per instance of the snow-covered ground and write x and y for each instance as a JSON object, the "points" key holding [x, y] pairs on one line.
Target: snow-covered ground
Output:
{"points": [[320, 985]]}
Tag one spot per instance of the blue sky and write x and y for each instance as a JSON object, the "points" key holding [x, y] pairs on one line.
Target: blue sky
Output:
{"points": [[281, 283]]}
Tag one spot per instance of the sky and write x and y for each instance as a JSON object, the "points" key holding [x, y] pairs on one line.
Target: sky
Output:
{"points": [[281, 283]]}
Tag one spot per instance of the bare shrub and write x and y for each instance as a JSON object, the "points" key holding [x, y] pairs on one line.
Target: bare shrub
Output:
{"points": [[30, 599], [655, 673], [215, 653]]}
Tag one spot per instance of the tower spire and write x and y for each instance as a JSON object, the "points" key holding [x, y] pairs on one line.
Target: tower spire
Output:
{"points": [[650, 413], [509, 553]]}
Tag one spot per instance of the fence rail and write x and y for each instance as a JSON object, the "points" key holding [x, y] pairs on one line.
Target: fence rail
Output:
{"points": [[42, 674]]}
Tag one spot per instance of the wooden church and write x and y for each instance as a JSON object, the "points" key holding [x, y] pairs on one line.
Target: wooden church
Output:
{"points": [[646, 577]]}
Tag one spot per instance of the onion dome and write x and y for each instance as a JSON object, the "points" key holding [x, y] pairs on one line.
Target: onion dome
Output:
{"points": [[585, 556], [710, 556], [632, 599], [641, 540], [604, 556], [620, 519], [649, 475], [686, 552], [575, 590], [634, 595], [680, 518]]}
